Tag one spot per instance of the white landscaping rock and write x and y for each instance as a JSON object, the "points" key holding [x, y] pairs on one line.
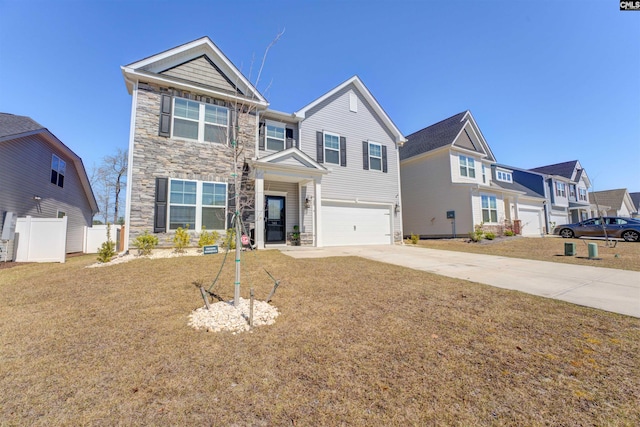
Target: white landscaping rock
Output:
{"points": [[223, 316]]}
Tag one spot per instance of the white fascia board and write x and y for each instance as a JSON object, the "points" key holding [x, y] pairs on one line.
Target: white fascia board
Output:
{"points": [[132, 76], [279, 115], [201, 46], [298, 171], [469, 152], [355, 80], [479, 134], [296, 153]]}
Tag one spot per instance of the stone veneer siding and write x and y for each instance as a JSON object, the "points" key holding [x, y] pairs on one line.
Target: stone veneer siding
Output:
{"points": [[156, 156]]}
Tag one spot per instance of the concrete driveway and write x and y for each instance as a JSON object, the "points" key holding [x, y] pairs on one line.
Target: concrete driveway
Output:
{"points": [[607, 289]]}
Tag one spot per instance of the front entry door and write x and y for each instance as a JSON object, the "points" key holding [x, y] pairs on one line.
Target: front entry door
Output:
{"points": [[274, 218]]}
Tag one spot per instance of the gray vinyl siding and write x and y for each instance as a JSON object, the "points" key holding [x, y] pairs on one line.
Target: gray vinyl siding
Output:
{"points": [[202, 72], [353, 182], [25, 172], [291, 200]]}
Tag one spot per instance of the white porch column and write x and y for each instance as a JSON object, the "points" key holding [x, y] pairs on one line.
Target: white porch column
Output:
{"points": [[318, 208], [259, 234]]}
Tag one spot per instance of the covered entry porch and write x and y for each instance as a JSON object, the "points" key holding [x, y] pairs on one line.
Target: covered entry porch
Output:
{"points": [[288, 191]]}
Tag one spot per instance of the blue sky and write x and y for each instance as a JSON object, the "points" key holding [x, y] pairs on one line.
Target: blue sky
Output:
{"points": [[546, 81]]}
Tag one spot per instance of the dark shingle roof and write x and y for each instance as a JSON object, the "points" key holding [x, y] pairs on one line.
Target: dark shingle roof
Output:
{"points": [[561, 169], [432, 137], [635, 197], [11, 124]]}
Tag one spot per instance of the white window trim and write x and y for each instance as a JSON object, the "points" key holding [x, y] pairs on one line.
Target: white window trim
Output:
{"points": [[324, 147], [561, 189], [197, 227], [504, 176], [375, 157], [466, 166], [489, 209], [201, 122], [284, 134]]}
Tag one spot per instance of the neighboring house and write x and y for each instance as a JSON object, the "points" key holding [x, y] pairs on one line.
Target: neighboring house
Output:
{"points": [[451, 184], [41, 177], [330, 169], [612, 203], [635, 197], [567, 190]]}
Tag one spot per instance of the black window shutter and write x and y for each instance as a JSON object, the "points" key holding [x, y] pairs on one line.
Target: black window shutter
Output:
{"points": [[231, 196], [160, 214], [384, 158], [261, 136], [165, 116], [320, 147], [365, 155], [343, 151], [289, 138]]}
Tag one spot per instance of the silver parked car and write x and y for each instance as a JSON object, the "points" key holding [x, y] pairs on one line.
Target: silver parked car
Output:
{"points": [[615, 226]]}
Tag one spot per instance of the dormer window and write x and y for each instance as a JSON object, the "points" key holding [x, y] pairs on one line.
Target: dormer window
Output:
{"points": [[504, 176]]}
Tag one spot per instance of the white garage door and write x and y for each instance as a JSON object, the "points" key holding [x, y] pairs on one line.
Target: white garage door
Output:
{"points": [[355, 225], [531, 222], [558, 219]]}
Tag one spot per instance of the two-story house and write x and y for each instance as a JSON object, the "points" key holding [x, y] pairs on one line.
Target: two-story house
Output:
{"points": [[329, 170], [451, 183], [43, 178], [567, 189]]}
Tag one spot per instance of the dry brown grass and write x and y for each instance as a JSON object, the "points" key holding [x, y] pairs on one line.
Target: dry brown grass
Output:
{"points": [[357, 343], [624, 256]]}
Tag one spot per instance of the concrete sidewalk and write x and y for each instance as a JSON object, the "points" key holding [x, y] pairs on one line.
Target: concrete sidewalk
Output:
{"points": [[607, 289]]}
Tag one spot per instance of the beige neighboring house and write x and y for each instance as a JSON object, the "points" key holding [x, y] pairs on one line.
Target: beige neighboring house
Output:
{"points": [[43, 178], [451, 183], [612, 203]]}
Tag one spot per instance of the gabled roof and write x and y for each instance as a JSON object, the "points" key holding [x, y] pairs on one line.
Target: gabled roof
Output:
{"points": [[355, 80], [442, 134], [613, 198], [635, 198], [151, 69], [564, 169], [14, 127]]}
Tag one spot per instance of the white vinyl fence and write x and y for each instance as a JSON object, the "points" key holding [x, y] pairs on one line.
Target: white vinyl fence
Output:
{"points": [[96, 235], [41, 239]]}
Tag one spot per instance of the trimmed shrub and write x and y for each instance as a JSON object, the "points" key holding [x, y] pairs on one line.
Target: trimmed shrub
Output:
{"points": [[208, 237], [489, 236], [414, 238], [509, 233], [108, 249], [181, 239], [145, 243]]}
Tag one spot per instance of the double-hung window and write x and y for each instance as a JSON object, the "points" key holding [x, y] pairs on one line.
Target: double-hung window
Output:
{"points": [[201, 122], [275, 136], [375, 156], [572, 190], [489, 209], [58, 170], [467, 166], [561, 189], [582, 194], [197, 204], [331, 148]]}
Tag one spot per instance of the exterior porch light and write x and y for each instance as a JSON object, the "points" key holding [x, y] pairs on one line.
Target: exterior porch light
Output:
{"points": [[308, 201], [396, 208]]}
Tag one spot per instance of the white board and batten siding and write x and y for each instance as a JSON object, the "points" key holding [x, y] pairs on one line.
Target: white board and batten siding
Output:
{"points": [[352, 183], [25, 165]]}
